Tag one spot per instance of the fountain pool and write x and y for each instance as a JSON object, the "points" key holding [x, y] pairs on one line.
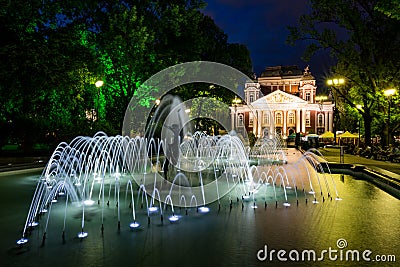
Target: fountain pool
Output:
{"points": [[367, 218]]}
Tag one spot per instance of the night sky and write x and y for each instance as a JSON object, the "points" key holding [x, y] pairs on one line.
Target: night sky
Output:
{"points": [[261, 25]]}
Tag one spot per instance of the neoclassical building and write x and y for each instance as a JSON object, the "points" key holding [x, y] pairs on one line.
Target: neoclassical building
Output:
{"points": [[283, 100]]}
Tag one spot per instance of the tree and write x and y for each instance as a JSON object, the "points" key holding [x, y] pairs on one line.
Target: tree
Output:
{"points": [[56, 50], [45, 69], [365, 43], [391, 8]]}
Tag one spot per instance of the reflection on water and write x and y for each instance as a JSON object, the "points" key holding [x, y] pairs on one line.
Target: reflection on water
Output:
{"points": [[367, 218]]}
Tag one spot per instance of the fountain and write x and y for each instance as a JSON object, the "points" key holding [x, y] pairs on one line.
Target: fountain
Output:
{"points": [[126, 173], [132, 178]]}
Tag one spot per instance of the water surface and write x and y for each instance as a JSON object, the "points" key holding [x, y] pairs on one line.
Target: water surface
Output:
{"points": [[367, 218]]}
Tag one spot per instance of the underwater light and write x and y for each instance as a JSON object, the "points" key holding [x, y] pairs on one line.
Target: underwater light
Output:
{"points": [[33, 224], [22, 241], [246, 197], [82, 235], [88, 202], [173, 218], [286, 204], [134, 225], [204, 209], [153, 209]]}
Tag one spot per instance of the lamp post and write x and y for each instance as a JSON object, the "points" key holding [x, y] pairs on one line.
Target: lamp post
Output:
{"points": [[333, 83], [388, 93], [359, 108], [235, 102], [98, 84]]}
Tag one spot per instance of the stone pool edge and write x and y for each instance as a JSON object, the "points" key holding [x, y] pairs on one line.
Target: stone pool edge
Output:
{"points": [[385, 180]]}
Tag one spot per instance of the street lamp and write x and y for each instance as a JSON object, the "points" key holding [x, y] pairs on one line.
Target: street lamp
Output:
{"points": [[333, 83], [388, 93], [235, 102], [98, 84]]}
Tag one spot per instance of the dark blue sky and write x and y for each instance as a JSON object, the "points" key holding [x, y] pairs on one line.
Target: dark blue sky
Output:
{"points": [[261, 25]]}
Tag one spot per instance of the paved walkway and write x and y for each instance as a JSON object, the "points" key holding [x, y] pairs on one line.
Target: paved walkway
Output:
{"points": [[20, 163], [385, 167]]}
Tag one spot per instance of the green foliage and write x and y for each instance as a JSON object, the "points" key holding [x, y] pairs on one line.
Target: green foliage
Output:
{"points": [[56, 50], [390, 8], [365, 43]]}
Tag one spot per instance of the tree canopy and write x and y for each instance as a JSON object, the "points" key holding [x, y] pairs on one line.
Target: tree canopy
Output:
{"points": [[56, 50], [365, 43]]}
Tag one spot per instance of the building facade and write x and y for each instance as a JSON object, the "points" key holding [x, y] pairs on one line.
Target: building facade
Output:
{"points": [[283, 100]]}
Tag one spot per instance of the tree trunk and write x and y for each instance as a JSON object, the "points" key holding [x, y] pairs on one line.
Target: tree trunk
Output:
{"points": [[367, 127]]}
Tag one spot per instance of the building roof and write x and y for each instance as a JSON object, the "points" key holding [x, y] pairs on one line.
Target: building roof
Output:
{"points": [[282, 71], [287, 72]]}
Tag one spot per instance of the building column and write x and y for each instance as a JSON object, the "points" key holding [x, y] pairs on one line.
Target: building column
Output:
{"points": [[284, 122], [297, 120], [316, 114], [326, 123], [232, 119], [259, 114], [272, 123], [255, 123], [330, 121], [303, 121]]}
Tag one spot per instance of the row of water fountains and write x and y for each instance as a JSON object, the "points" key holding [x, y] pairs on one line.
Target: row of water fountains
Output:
{"points": [[133, 173]]}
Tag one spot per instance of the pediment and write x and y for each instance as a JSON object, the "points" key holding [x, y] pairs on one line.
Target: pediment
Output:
{"points": [[279, 96], [308, 86]]}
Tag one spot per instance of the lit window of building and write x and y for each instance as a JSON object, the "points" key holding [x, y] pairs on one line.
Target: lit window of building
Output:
{"points": [[308, 96], [320, 120], [278, 118], [251, 98], [308, 119], [266, 119], [240, 120], [291, 118]]}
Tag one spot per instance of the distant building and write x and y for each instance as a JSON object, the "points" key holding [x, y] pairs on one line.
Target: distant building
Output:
{"points": [[283, 100]]}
